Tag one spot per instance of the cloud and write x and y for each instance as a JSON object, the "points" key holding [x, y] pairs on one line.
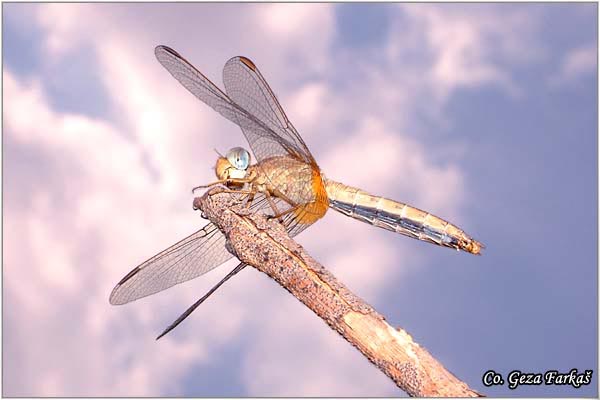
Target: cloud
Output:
{"points": [[103, 192], [462, 46], [303, 40], [79, 239], [377, 157], [318, 362], [76, 241], [576, 64], [80, 243], [61, 22]]}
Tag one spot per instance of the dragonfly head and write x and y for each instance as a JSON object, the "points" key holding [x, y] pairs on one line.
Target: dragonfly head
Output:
{"points": [[234, 164]]}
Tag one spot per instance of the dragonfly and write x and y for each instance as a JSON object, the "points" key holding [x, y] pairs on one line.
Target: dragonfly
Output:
{"points": [[285, 183]]}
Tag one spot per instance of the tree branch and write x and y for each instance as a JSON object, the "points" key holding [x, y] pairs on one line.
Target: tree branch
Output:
{"points": [[265, 245]]}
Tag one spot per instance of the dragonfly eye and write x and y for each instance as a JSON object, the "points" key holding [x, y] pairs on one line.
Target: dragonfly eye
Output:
{"points": [[239, 158]]}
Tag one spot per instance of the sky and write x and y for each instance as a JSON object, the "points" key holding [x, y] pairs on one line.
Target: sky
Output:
{"points": [[482, 114]]}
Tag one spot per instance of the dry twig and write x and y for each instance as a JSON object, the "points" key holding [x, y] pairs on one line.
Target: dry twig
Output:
{"points": [[265, 245]]}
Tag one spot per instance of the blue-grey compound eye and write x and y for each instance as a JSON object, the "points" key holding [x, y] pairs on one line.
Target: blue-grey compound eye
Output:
{"points": [[239, 158]]}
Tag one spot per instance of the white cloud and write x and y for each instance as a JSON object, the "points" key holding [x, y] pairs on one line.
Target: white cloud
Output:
{"points": [[576, 64], [378, 158], [70, 246], [81, 245], [307, 105], [284, 19], [61, 22], [125, 181], [463, 46], [316, 360], [301, 34]]}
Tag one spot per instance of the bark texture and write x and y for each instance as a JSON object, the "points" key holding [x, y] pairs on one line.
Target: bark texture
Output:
{"points": [[265, 245]]}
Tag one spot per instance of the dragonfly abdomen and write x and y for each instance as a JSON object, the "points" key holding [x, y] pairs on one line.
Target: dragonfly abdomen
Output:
{"points": [[398, 217]]}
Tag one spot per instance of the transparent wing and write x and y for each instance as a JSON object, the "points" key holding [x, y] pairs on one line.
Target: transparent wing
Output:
{"points": [[198, 84], [246, 86], [260, 203], [269, 133], [187, 259], [289, 221], [266, 136], [255, 109]]}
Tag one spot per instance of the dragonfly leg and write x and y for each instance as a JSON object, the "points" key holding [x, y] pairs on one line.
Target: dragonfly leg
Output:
{"points": [[226, 182], [220, 181], [249, 200], [293, 206], [289, 210], [272, 204], [283, 197], [241, 191], [279, 214]]}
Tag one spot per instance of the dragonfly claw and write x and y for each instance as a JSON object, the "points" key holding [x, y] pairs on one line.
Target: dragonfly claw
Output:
{"points": [[274, 217]]}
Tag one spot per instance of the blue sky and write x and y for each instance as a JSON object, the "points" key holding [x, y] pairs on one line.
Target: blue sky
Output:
{"points": [[485, 115]]}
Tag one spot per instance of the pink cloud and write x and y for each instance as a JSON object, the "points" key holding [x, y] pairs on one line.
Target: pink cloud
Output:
{"points": [[126, 195]]}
